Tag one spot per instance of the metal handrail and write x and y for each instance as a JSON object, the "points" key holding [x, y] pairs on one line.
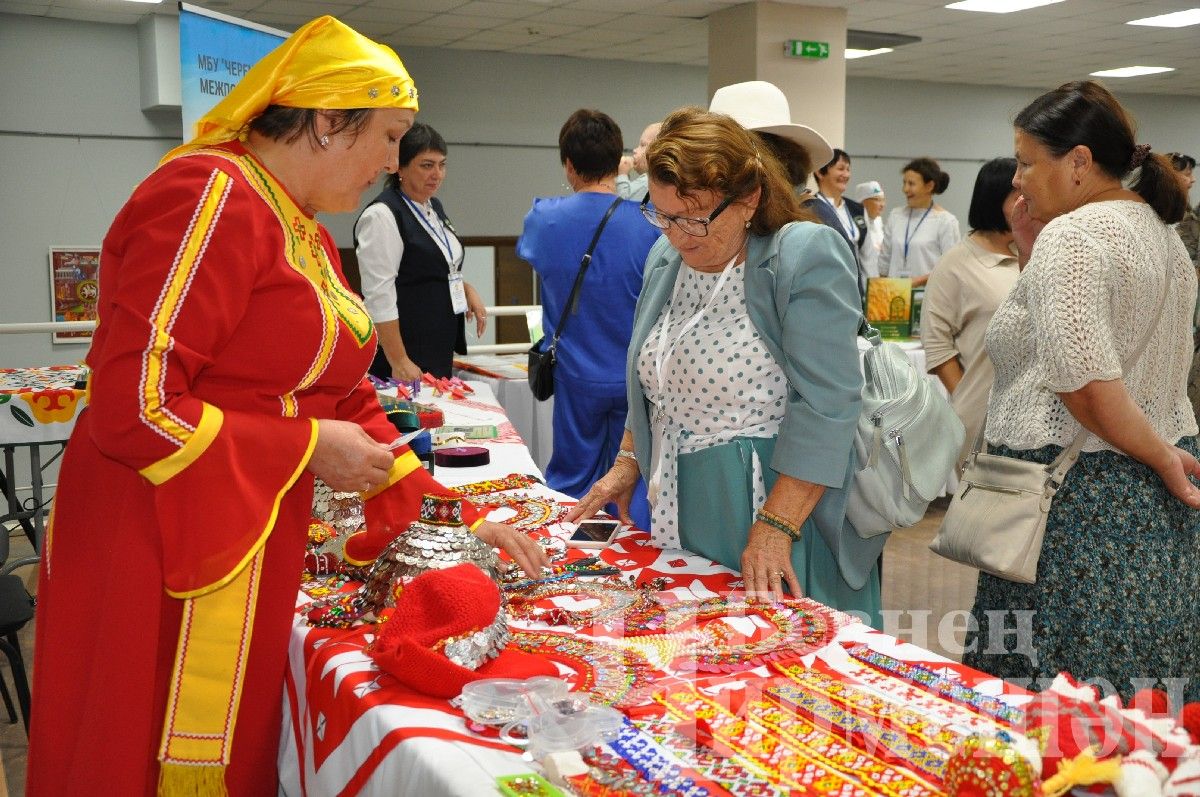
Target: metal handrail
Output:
{"points": [[48, 326], [90, 326]]}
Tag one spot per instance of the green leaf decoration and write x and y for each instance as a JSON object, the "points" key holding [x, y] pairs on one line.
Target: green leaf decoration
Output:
{"points": [[21, 415]]}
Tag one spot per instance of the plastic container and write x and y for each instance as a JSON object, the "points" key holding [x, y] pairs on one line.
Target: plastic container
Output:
{"points": [[562, 725], [498, 701]]}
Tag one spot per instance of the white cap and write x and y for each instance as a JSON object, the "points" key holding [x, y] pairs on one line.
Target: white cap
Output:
{"points": [[868, 190], [762, 106]]}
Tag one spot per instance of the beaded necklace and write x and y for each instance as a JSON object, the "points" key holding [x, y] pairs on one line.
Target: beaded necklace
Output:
{"points": [[610, 675], [930, 705], [616, 599], [790, 751], [656, 764], [723, 772], [891, 733], [533, 511], [939, 685], [513, 481], [796, 630]]}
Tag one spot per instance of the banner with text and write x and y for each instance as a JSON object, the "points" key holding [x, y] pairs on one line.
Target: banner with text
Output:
{"points": [[215, 51]]}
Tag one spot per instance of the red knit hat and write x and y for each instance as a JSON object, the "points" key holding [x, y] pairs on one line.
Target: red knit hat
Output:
{"points": [[447, 630]]}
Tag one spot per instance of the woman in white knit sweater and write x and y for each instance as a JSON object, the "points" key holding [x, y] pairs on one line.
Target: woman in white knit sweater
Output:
{"points": [[1115, 596]]}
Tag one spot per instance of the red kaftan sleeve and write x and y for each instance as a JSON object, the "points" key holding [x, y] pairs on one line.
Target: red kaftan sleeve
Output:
{"points": [[390, 508], [177, 271]]}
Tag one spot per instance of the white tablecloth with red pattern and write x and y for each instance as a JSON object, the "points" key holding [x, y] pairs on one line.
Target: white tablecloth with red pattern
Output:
{"points": [[350, 729]]}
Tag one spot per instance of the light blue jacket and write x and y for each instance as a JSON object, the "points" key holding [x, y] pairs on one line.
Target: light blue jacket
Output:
{"points": [[802, 297]]}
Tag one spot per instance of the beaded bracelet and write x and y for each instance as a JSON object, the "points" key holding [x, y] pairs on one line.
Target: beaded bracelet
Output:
{"points": [[779, 523]]}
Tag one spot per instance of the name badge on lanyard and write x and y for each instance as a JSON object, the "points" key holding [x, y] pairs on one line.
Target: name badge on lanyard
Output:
{"points": [[441, 235], [458, 293]]}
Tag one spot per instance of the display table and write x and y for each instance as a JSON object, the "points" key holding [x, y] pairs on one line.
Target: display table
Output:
{"points": [[350, 728], [38, 408], [507, 376]]}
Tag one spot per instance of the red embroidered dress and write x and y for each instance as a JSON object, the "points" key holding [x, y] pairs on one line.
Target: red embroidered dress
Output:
{"points": [[226, 331]]}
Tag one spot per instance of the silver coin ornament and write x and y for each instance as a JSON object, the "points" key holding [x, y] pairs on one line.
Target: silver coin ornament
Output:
{"points": [[435, 542], [342, 511]]}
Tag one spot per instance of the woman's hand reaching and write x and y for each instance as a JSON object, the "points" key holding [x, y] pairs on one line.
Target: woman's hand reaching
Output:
{"points": [[616, 486], [767, 564], [406, 371], [524, 551], [347, 458]]}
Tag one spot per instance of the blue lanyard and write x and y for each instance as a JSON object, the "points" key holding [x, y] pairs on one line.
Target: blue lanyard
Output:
{"points": [[439, 233], [851, 228], [907, 236]]}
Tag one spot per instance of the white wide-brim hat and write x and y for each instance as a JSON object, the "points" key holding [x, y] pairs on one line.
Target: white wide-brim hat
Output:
{"points": [[868, 190], [761, 106]]}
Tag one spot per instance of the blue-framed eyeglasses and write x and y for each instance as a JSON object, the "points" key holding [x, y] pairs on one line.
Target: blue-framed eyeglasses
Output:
{"points": [[694, 227]]}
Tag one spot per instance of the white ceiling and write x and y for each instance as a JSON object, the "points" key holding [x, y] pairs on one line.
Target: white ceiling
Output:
{"points": [[1039, 48]]}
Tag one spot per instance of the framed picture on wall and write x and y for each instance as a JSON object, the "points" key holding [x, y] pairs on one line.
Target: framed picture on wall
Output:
{"points": [[74, 288]]}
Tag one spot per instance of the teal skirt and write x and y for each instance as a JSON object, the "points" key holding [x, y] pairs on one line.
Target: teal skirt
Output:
{"points": [[1115, 600], [716, 510]]}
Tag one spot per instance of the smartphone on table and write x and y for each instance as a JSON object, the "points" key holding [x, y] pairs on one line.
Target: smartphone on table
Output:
{"points": [[595, 533]]}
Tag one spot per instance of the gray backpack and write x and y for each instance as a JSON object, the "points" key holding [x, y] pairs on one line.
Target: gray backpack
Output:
{"points": [[907, 440]]}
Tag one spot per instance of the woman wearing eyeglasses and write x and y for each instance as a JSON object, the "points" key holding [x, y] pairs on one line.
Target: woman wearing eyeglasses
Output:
{"points": [[589, 379], [744, 383]]}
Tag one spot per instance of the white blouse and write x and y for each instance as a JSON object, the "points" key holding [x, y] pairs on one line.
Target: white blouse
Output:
{"points": [[711, 379], [380, 249], [1083, 302], [915, 239]]}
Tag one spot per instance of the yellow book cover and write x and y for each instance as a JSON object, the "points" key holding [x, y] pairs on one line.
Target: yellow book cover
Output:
{"points": [[889, 305]]}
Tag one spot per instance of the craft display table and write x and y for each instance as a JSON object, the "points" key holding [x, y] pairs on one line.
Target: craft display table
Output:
{"points": [[507, 376], [38, 409], [349, 728]]}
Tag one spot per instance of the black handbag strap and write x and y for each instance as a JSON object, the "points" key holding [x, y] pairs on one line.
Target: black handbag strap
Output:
{"points": [[570, 307]]}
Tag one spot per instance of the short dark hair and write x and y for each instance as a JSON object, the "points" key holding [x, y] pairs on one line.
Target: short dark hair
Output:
{"points": [[591, 140], [930, 172], [419, 138], [1085, 113], [280, 123], [1181, 162], [838, 155], [993, 184], [794, 158]]}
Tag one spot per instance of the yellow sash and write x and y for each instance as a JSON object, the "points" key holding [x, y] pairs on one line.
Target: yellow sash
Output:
{"points": [[214, 643]]}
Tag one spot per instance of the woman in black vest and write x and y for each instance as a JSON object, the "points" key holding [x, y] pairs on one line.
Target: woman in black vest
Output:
{"points": [[410, 261]]}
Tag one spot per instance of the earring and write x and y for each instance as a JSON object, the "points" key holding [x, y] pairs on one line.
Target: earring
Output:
{"points": [[324, 142], [747, 224]]}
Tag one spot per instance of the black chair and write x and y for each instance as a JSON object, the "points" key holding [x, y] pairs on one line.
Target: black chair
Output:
{"points": [[16, 609]]}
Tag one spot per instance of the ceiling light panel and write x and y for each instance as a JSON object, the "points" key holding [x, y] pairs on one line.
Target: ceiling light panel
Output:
{"points": [[1000, 6], [1133, 71], [1179, 19]]}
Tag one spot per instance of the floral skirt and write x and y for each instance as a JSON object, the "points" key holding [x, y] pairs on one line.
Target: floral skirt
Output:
{"points": [[1115, 600]]}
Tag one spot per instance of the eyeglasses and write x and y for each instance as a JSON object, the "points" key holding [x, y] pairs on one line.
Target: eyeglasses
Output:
{"points": [[694, 227]]}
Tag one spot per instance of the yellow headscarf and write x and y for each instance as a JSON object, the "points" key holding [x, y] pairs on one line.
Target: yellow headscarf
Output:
{"points": [[325, 65]]}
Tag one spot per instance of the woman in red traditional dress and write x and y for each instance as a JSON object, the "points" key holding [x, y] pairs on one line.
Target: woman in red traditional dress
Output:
{"points": [[227, 372]]}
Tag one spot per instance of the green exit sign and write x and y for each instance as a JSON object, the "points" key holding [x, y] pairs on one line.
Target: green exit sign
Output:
{"points": [[798, 48]]}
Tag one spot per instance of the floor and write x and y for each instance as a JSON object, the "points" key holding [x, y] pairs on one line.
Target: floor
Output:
{"points": [[925, 600]]}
